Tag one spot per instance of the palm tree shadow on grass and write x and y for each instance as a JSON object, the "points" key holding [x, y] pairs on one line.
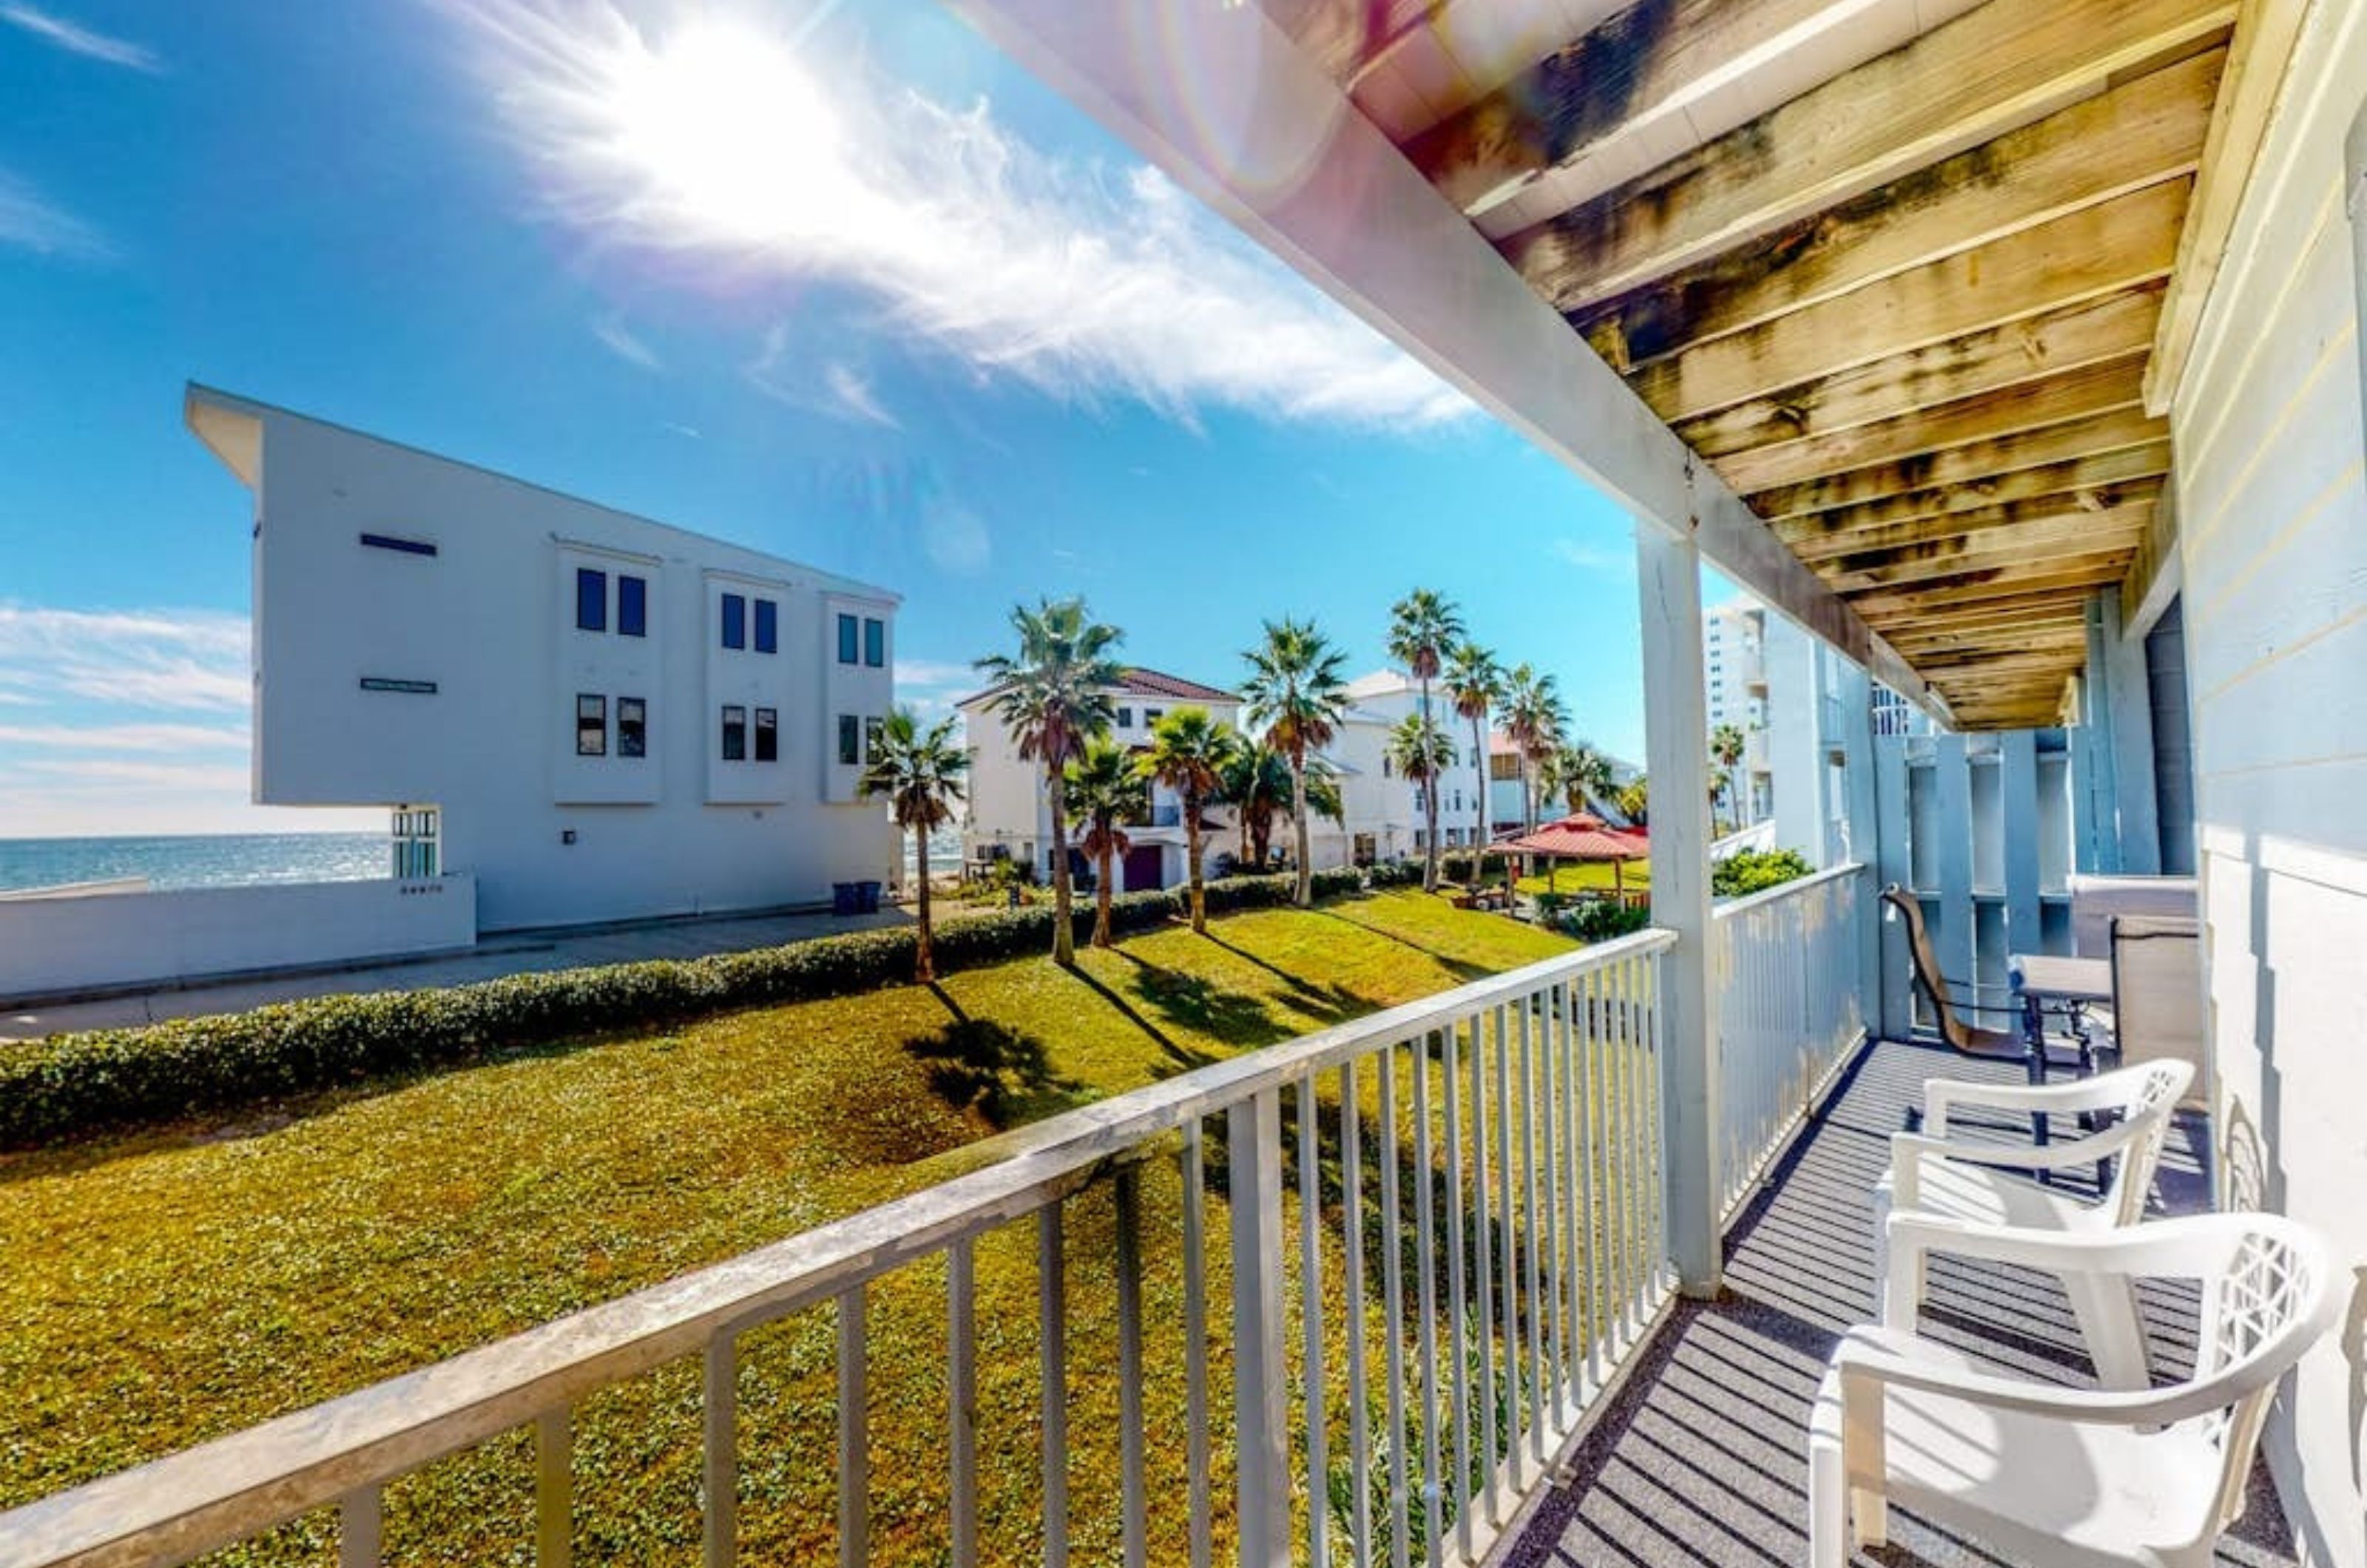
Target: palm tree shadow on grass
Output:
{"points": [[1461, 968], [1183, 1057], [977, 1062], [1333, 1003]]}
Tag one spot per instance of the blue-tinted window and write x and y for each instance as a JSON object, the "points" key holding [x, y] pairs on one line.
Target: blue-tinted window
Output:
{"points": [[632, 606], [768, 735], [875, 643], [591, 600], [735, 734], [768, 626], [846, 640], [849, 740], [735, 621]]}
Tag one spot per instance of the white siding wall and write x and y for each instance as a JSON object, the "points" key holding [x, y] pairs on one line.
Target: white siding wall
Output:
{"points": [[490, 620], [2273, 523]]}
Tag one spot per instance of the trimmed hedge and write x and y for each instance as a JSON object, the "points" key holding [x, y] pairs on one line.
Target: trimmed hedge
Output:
{"points": [[1455, 864], [1755, 871], [71, 1084], [1603, 920]]}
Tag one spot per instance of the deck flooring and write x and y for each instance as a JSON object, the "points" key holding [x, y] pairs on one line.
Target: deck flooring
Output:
{"points": [[1700, 1459]]}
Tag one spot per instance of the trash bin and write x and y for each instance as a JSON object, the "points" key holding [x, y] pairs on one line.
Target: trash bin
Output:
{"points": [[867, 897], [844, 899]]}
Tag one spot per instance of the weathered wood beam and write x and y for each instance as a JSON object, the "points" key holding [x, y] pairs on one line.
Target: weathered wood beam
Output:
{"points": [[2091, 483], [2001, 524], [1643, 79], [1975, 625], [1345, 37], [2075, 394], [2061, 539], [1988, 73], [1974, 468], [1992, 668], [2093, 254], [2088, 332], [2266, 32], [2138, 134], [1991, 586]]}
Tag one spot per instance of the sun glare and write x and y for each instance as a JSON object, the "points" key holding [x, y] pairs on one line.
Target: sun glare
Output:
{"points": [[725, 121]]}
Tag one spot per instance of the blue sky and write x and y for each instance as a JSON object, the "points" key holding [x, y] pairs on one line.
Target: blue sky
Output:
{"points": [[834, 281]]}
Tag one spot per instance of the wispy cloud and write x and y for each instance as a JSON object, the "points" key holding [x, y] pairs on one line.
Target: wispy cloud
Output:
{"points": [[1589, 558], [29, 222], [853, 390], [75, 38], [620, 342], [88, 737], [929, 687], [167, 660], [701, 135]]}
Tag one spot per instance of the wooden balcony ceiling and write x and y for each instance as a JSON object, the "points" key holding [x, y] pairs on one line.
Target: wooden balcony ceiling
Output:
{"points": [[1912, 274]]}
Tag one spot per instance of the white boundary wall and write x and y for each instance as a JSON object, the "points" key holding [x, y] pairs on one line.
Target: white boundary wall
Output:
{"points": [[51, 946]]}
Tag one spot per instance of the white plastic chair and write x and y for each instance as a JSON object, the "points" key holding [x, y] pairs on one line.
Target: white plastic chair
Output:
{"points": [[2058, 1477], [1988, 1184]]}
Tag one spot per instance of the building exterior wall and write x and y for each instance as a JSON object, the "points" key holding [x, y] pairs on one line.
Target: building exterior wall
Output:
{"points": [[388, 676], [60, 945], [2272, 511]]}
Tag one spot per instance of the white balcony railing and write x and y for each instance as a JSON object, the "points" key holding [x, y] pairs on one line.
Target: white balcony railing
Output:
{"points": [[1785, 964], [1445, 1234]]}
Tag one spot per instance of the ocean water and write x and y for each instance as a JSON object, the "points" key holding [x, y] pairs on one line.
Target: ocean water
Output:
{"points": [[220, 860]]}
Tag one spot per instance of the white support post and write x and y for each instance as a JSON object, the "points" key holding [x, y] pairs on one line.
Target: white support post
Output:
{"points": [[2128, 692], [1894, 862], [1253, 1155], [1676, 746], [1852, 708]]}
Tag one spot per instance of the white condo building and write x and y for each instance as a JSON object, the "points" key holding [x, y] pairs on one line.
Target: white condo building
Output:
{"points": [[1734, 664], [1384, 819], [1010, 814], [599, 716]]}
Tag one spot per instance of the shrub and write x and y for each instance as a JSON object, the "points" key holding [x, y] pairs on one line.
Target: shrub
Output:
{"points": [[1339, 882], [1755, 871], [1394, 874], [1601, 919], [1455, 866]]}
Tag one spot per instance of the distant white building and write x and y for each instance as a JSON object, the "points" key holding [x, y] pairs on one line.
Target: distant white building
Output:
{"points": [[1010, 815], [602, 717], [1504, 789], [1734, 661], [1384, 809]]}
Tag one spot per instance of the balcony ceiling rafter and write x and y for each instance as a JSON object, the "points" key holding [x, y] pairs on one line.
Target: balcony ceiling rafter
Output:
{"points": [[1899, 272]]}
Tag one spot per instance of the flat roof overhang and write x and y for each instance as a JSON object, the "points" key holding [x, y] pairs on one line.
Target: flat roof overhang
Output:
{"points": [[1882, 301]]}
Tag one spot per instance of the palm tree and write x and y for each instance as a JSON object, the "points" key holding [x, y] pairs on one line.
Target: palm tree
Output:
{"points": [[1297, 693], [1053, 696], [1422, 751], [1105, 789], [1189, 753], [1255, 781], [1475, 683], [1533, 717], [921, 776], [1725, 753], [1636, 801], [1422, 628], [1582, 774]]}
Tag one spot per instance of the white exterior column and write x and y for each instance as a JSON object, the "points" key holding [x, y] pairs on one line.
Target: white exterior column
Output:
{"points": [[1676, 750], [1794, 739]]}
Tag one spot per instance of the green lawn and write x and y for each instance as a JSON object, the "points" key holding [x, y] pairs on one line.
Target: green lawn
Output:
{"points": [[1589, 876], [171, 1285]]}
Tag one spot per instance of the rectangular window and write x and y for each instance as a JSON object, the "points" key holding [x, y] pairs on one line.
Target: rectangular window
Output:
{"points": [[633, 727], [850, 739], [591, 600], [1126, 718], [875, 643], [871, 731], [591, 724], [735, 734], [768, 735], [846, 640], [632, 606], [1151, 717], [401, 546], [735, 621], [768, 626]]}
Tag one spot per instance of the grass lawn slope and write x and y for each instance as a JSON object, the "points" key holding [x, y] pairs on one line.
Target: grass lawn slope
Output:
{"points": [[171, 1285]]}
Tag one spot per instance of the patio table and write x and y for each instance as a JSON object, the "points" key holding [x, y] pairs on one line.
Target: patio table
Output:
{"points": [[2043, 981]]}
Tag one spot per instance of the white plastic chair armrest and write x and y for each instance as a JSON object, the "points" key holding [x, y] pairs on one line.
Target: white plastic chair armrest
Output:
{"points": [[1864, 1355], [1908, 1148], [2105, 1091]]}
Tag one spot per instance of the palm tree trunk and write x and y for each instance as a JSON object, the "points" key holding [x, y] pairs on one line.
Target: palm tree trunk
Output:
{"points": [[1102, 898], [1528, 812], [1064, 934], [1428, 813], [1300, 814], [1192, 866], [1480, 818], [924, 961]]}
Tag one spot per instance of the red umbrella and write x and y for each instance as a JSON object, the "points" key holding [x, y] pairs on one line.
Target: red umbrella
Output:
{"points": [[1585, 837]]}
